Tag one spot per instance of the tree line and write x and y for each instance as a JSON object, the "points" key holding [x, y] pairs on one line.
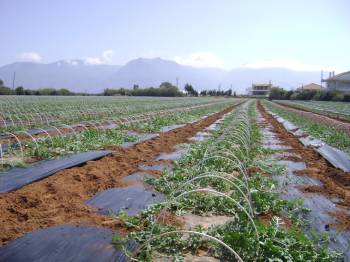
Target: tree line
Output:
{"points": [[166, 89], [277, 93], [4, 90]]}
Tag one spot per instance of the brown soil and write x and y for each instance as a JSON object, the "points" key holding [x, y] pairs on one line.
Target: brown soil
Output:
{"points": [[338, 124], [336, 183], [59, 199], [342, 220], [292, 158], [168, 218], [266, 219], [253, 170]]}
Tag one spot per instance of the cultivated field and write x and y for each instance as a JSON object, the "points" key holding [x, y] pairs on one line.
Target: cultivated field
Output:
{"points": [[185, 179], [339, 110], [37, 128], [326, 124]]}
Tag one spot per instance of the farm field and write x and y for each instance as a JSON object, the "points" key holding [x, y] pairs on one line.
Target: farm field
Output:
{"points": [[330, 131], [186, 180], [35, 128], [338, 110]]}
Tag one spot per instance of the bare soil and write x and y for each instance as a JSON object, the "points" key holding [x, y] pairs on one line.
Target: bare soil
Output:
{"points": [[60, 199], [335, 182]]}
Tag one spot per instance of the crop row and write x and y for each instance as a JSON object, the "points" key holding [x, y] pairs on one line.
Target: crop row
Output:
{"points": [[339, 110], [224, 176], [22, 147], [17, 113], [321, 130]]}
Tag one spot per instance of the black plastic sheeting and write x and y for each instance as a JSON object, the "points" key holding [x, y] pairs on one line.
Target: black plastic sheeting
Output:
{"points": [[132, 200], [65, 243], [141, 138], [336, 157], [18, 177], [319, 206]]}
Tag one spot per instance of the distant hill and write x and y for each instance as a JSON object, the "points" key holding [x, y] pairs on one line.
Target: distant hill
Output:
{"points": [[78, 76]]}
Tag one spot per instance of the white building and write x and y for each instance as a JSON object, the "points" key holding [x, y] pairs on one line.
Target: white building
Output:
{"points": [[340, 82], [260, 89]]}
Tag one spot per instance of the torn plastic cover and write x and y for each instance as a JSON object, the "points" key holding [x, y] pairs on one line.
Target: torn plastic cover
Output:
{"points": [[18, 177], [65, 243], [132, 200], [170, 128], [336, 157], [141, 138]]}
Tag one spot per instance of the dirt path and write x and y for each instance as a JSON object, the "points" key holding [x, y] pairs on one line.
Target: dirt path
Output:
{"points": [[336, 183], [340, 125], [59, 199]]}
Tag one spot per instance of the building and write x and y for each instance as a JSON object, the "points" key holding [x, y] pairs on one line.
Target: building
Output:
{"points": [[340, 82], [311, 86], [260, 89]]}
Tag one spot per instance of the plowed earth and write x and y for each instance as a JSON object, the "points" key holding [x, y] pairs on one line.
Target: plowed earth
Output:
{"points": [[59, 199]]}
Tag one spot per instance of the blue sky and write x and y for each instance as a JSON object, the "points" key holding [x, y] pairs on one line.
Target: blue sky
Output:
{"points": [[298, 34]]}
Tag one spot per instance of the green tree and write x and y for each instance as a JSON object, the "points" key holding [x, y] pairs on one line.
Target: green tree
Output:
{"points": [[166, 85], [64, 92], [6, 91], [190, 90], [19, 91], [276, 93]]}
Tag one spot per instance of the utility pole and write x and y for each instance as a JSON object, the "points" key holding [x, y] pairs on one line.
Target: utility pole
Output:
{"points": [[13, 80]]}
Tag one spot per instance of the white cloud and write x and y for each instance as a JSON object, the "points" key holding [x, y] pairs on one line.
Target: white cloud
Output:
{"points": [[105, 58], [29, 57], [289, 64], [200, 59]]}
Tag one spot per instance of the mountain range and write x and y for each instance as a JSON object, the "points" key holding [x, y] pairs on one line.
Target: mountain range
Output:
{"points": [[78, 76]]}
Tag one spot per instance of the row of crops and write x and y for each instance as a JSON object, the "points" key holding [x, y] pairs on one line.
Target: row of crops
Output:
{"points": [[322, 130], [47, 127], [18, 113], [339, 110], [224, 180]]}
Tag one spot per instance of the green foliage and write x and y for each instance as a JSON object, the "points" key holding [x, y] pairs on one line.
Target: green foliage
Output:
{"points": [[6, 90], [19, 91], [166, 89], [277, 93], [81, 142], [275, 243], [190, 90]]}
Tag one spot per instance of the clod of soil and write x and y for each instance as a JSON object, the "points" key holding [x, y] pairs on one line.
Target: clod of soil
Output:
{"points": [[253, 170], [267, 218]]}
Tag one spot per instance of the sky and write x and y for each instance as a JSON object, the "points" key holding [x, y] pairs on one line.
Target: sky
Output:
{"points": [[306, 35]]}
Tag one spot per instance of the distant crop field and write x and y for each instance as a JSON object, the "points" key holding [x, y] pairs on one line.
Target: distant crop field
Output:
{"points": [[340, 110], [42, 127]]}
